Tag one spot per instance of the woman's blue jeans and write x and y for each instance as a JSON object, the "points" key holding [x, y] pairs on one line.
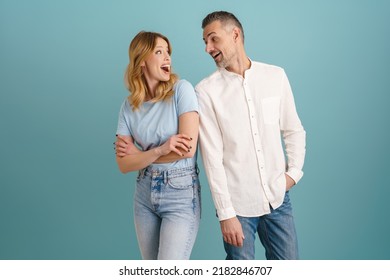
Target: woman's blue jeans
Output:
{"points": [[167, 213], [276, 232]]}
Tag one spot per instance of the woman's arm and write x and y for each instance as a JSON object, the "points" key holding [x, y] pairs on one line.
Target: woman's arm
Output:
{"points": [[129, 158], [188, 125]]}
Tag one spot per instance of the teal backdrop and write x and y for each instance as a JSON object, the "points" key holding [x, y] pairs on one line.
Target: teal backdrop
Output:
{"points": [[61, 83]]}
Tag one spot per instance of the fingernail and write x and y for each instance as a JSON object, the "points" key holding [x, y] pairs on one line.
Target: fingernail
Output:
{"points": [[190, 147], [190, 138]]}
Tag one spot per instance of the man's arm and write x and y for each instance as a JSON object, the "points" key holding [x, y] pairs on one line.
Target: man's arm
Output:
{"points": [[294, 135], [211, 147]]}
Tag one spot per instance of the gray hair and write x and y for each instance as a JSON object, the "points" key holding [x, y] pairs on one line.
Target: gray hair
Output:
{"points": [[225, 18]]}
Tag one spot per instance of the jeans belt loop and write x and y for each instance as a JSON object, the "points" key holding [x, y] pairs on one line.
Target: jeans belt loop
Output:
{"points": [[155, 173], [165, 176]]}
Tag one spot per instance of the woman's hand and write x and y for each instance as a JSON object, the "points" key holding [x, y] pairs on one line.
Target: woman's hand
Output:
{"points": [[178, 144], [125, 146]]}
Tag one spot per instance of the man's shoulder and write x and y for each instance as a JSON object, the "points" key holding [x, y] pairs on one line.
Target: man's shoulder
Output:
{"points": [[261, 66], [211, 79]]}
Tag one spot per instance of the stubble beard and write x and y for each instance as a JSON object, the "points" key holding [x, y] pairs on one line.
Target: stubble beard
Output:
{"points": [[226, 60]]}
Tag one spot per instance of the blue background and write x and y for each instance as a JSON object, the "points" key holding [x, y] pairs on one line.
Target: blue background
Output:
{"points": [[61, 85]]}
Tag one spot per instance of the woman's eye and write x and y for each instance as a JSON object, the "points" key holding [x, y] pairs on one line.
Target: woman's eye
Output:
{"points": [[158, 52]]}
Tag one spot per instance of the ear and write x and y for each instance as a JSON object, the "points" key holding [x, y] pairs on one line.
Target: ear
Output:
{"points": [[236, 34], [142, 63]]}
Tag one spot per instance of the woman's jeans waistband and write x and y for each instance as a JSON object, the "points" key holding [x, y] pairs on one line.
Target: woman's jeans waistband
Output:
{"points": [[168, 173]]}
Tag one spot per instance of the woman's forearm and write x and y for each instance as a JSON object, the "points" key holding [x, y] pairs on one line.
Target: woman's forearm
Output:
{"points": [[172, 157], [188, 125], [137, 161], [181, 146]]}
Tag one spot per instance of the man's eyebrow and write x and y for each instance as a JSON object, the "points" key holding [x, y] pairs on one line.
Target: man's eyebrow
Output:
{"points": [[208, 35]]}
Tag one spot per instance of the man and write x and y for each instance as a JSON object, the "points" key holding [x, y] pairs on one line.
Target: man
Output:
{"points": [[246, 107]]}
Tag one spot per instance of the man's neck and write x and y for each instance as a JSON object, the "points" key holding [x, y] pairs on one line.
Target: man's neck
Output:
{"points": [[239, 66]]}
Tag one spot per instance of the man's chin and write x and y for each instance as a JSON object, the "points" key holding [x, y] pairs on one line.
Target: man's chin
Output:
{"points": [[220, 64]]}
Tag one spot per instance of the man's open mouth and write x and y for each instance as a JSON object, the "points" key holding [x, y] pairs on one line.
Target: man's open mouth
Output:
{"points": [[216, 55]]}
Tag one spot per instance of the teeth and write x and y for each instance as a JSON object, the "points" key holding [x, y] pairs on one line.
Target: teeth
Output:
{"points": [[216, 55]]}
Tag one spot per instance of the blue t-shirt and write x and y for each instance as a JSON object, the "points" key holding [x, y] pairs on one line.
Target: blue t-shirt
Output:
{"points": [[154, 122]]}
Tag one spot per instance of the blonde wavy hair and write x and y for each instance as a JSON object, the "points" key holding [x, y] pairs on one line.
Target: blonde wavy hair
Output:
{"points": [[140, 48]]}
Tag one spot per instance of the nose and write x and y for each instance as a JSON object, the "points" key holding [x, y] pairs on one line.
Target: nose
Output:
{"points": [[167, 56], [209, 48]]}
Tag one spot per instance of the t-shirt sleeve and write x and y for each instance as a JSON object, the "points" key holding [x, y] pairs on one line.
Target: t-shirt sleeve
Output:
{"points": [[123, 122], [186, 99]]}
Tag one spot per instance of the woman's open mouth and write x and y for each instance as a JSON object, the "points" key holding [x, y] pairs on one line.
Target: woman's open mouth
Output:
{"points": [[166, 68]]}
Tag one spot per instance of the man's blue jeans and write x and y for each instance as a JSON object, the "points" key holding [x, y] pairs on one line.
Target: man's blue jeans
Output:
{"points": [[167, 213], [276, 232]]}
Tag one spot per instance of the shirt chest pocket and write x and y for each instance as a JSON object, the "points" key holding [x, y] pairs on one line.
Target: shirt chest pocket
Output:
{"points": [[271, 109]]}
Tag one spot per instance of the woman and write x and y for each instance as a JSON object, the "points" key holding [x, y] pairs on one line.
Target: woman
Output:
{"points": [[157, 135]]}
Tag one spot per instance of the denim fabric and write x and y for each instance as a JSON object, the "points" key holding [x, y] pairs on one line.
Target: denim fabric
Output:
{"points": [[276, 232], [167, 212]]}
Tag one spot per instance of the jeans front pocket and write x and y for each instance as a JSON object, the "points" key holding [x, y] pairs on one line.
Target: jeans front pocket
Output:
{"points": [[181, 183]]}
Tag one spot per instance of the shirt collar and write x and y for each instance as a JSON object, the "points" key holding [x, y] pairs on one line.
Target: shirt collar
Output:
{"points": [[227, 73]]}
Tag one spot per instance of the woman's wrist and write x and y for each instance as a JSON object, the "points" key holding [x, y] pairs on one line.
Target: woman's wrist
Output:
{"points": [[157, 151]]}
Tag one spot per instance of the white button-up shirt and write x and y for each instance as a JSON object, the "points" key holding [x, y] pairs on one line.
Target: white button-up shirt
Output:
{"points": [[242, 123]]}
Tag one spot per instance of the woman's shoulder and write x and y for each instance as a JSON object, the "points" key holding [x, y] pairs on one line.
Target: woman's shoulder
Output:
{"points": [[183, 86], [125, 104]]}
